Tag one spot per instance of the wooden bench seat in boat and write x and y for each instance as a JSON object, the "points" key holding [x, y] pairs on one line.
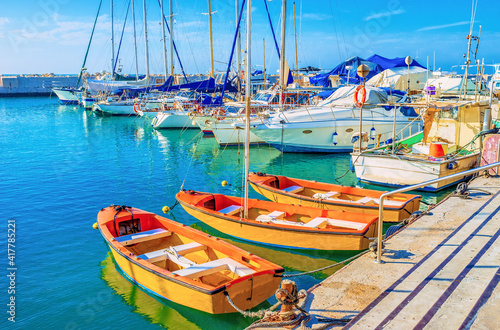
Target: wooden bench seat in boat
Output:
{"points": [[276, 217], [174, 253], [143, 236], [214, 266], [328, 195], [231, 210], [365, 200], [314, 223], [293, 189]]}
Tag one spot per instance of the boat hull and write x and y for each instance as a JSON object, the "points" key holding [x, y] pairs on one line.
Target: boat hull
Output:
{"points": [[173, 119], [66, 96], [327, 136], [184, 265], [399, 172], [390, 214], [228, 135], [116, 109], [245, 294], [279, 237]]}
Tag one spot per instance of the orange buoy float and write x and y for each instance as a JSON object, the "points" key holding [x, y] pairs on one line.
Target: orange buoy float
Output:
{"points": [[438, 149], [363, 95]]}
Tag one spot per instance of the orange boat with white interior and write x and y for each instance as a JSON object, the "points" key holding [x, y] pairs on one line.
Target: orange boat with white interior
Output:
{"points": [[329, 196], [283, 225], [185, 265]]}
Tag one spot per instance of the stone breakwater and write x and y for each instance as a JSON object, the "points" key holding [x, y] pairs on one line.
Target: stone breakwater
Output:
{"points": [[19, 85]]}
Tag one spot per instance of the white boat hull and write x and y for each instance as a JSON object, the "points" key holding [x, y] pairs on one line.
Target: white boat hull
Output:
{"points": [[173, 119], [329, 136], [398, 171], [66, 96], [117, 109], [227, 134]]}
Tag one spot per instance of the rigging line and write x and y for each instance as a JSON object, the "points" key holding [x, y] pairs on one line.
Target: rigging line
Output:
{"points": [[188, 39], [175, 47], [121, 39], [88, 47], [232, 51], [272, 29], [341, 28], [191, 161], [335, 28]]}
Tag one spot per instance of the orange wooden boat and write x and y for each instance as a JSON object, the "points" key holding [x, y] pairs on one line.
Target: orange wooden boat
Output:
{"points": [[184, 265], [329, 196], [282, 225]]}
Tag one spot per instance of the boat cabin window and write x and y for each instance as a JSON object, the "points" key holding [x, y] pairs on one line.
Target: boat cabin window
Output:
{"points": [[230, 109], [450, 114], [129, 227], [275, 99]]}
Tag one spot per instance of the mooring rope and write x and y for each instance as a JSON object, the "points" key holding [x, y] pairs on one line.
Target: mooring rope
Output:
{"points": [[323, 268]]}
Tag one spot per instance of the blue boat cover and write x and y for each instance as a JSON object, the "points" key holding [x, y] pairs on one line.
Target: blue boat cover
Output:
{"points": [[323, 80], [388, 63], [376, 63]]}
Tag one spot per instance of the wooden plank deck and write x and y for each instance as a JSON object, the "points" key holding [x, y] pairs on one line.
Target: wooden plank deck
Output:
{"points": [[441, 272]]}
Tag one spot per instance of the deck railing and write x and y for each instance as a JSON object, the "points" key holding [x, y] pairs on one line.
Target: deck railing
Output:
{"points": [[413, 187]]}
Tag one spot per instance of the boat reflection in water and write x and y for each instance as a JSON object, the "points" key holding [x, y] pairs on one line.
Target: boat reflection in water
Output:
{"points": [[163, 312]]}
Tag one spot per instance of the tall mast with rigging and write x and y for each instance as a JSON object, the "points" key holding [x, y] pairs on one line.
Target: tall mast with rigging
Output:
{"points": [[112, 39], [238, 51], [164, 41], [135, 43], [171, 38], [282, 57], [146, 38], [211, 38], [248, 90]]}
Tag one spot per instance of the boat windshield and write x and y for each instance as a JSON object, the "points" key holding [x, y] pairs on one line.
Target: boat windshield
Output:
{"points": [[262, 97]]}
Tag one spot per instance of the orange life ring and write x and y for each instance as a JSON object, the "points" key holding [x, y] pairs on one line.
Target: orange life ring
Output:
{"points": [[363, 95], [137, 107], [220, 114]]}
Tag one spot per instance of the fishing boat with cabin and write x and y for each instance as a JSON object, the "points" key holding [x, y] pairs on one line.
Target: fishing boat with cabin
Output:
{"points": [[184, 265], [330, 196]]}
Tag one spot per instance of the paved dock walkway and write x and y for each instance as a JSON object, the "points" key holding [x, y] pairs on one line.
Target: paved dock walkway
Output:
{"points": [[440, 272]]}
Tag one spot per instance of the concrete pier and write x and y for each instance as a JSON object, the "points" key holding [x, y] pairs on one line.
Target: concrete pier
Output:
{"points": [[440, 272]]}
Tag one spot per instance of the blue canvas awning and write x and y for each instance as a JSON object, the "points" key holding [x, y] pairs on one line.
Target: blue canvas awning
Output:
{"points": [[388, 63], [340, 70]]}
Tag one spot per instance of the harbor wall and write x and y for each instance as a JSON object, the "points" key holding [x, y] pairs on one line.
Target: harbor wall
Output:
{"points": [[19, 85]]}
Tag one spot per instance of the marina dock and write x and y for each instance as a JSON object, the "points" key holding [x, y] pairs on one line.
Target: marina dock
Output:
{"points": [[439, 272]]}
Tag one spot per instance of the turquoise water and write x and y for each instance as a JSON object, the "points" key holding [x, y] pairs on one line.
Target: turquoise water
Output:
{"points": [[60, 165]]}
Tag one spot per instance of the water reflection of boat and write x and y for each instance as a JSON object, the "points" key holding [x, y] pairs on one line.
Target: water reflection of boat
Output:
{"points": [[160, 311]]}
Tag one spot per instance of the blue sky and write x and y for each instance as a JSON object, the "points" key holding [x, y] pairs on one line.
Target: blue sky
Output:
{"points": [[52, 35]]}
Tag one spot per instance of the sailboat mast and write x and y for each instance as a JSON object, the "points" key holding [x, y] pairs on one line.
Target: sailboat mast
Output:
{"points": [[282, 53], [211, 38], [135, 43], [466, 75], [264, 52], [164, 41], [248, 91], [112, 39], [171, 38], [238, 50], [296, 53], [146, 37]]}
